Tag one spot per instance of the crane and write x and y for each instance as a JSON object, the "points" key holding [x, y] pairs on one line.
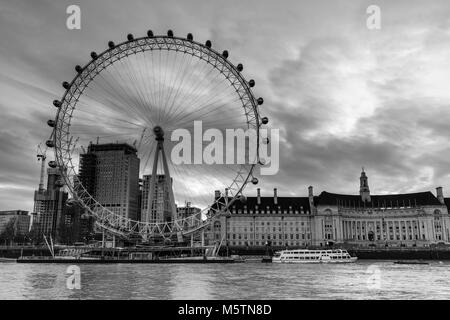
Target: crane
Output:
{"points": [[41, 156], [138, 146]]}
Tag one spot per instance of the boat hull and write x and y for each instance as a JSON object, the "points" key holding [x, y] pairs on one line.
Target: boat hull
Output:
{"points": [[313, 256], [351, 260]]}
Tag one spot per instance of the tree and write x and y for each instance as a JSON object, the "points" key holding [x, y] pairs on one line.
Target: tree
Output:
{"points": [[64, 234], [34, 235]]}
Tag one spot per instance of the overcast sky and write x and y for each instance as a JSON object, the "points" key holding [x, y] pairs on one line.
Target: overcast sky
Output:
{"points": [[343, 96]]}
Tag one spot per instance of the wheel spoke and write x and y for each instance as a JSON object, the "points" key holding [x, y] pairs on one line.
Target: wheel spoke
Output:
{"points": [[123, 94]]}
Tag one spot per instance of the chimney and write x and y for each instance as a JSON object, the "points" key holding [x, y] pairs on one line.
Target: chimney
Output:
{"points": [[275, 196], [440, 195], [311, 197], [216, 194], [258, 193]]}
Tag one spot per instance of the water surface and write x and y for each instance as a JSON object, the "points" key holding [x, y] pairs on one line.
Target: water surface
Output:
{"points": [[362, 280]]}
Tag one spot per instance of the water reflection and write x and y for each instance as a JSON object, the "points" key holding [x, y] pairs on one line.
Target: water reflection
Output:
{"points": [[191, 282], [41, 281]]}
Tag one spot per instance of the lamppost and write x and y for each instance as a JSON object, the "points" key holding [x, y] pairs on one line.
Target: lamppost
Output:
{"points": [[226, 232]]}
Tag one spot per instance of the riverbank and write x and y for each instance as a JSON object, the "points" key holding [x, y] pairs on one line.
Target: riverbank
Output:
{"points": [[389, 253], [15, 252], [129, 261]]}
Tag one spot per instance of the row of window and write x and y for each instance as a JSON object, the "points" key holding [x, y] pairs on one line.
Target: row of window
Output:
{"points": [[266, 212], [262, 223], [267, 229], [291, 236], [391, 237], [263, 243]]}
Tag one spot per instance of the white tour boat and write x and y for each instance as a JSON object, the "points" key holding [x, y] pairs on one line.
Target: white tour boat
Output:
{"points": [[313, 256]]}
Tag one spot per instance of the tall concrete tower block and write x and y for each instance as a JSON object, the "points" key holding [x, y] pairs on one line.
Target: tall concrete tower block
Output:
{"points": [[111, 173]]}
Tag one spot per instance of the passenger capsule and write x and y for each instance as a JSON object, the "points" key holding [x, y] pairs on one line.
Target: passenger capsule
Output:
{"points": [[240, 67], [49, 144], [71, 202], [225, 54], [265, 120], [51, 123], [251, 83], [170, 33], [111, 44], [265, 140], [94, 55], [57, 103], [208, 43], [78, 69], [130, 37], [65, 85], [150, 33], [260, 101], [59, 183], [190, 36], [254, 180], [52, 164]]}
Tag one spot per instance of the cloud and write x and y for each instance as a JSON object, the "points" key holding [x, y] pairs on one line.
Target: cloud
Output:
{"points": [[342, 96]]}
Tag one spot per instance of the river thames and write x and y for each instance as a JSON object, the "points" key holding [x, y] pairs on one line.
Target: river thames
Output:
{"points": [[362, 280]]}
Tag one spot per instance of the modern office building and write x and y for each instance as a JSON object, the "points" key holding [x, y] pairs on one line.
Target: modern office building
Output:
{"points": [[87, 172], [161, 204], [49, 204], [110, 173], [20, 220], [77, 225], [413, 219], [187, 211]]}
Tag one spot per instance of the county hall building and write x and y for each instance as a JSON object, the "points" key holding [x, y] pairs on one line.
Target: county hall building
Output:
{"points": [[411, 219]]}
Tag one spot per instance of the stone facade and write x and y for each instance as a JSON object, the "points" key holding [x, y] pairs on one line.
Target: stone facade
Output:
{"points": [[413, 219]]}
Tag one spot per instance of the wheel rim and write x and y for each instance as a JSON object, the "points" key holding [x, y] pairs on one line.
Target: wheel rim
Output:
{"points": [[65, 142]]}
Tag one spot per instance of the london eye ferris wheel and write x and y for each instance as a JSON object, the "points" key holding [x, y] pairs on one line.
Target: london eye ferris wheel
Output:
{"points": [[139, 92]]}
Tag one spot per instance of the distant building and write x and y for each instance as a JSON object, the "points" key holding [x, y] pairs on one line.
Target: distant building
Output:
{"points": [[87, 172], [413, 219], [77, 225], [188, 211], [19, 218], [110, 173], [396, 219], [161, 206], [49, 205], [141, 190], [279, 221]]}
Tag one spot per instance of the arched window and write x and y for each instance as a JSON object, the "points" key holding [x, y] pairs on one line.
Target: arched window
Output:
{"points": [[217, 226]]}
